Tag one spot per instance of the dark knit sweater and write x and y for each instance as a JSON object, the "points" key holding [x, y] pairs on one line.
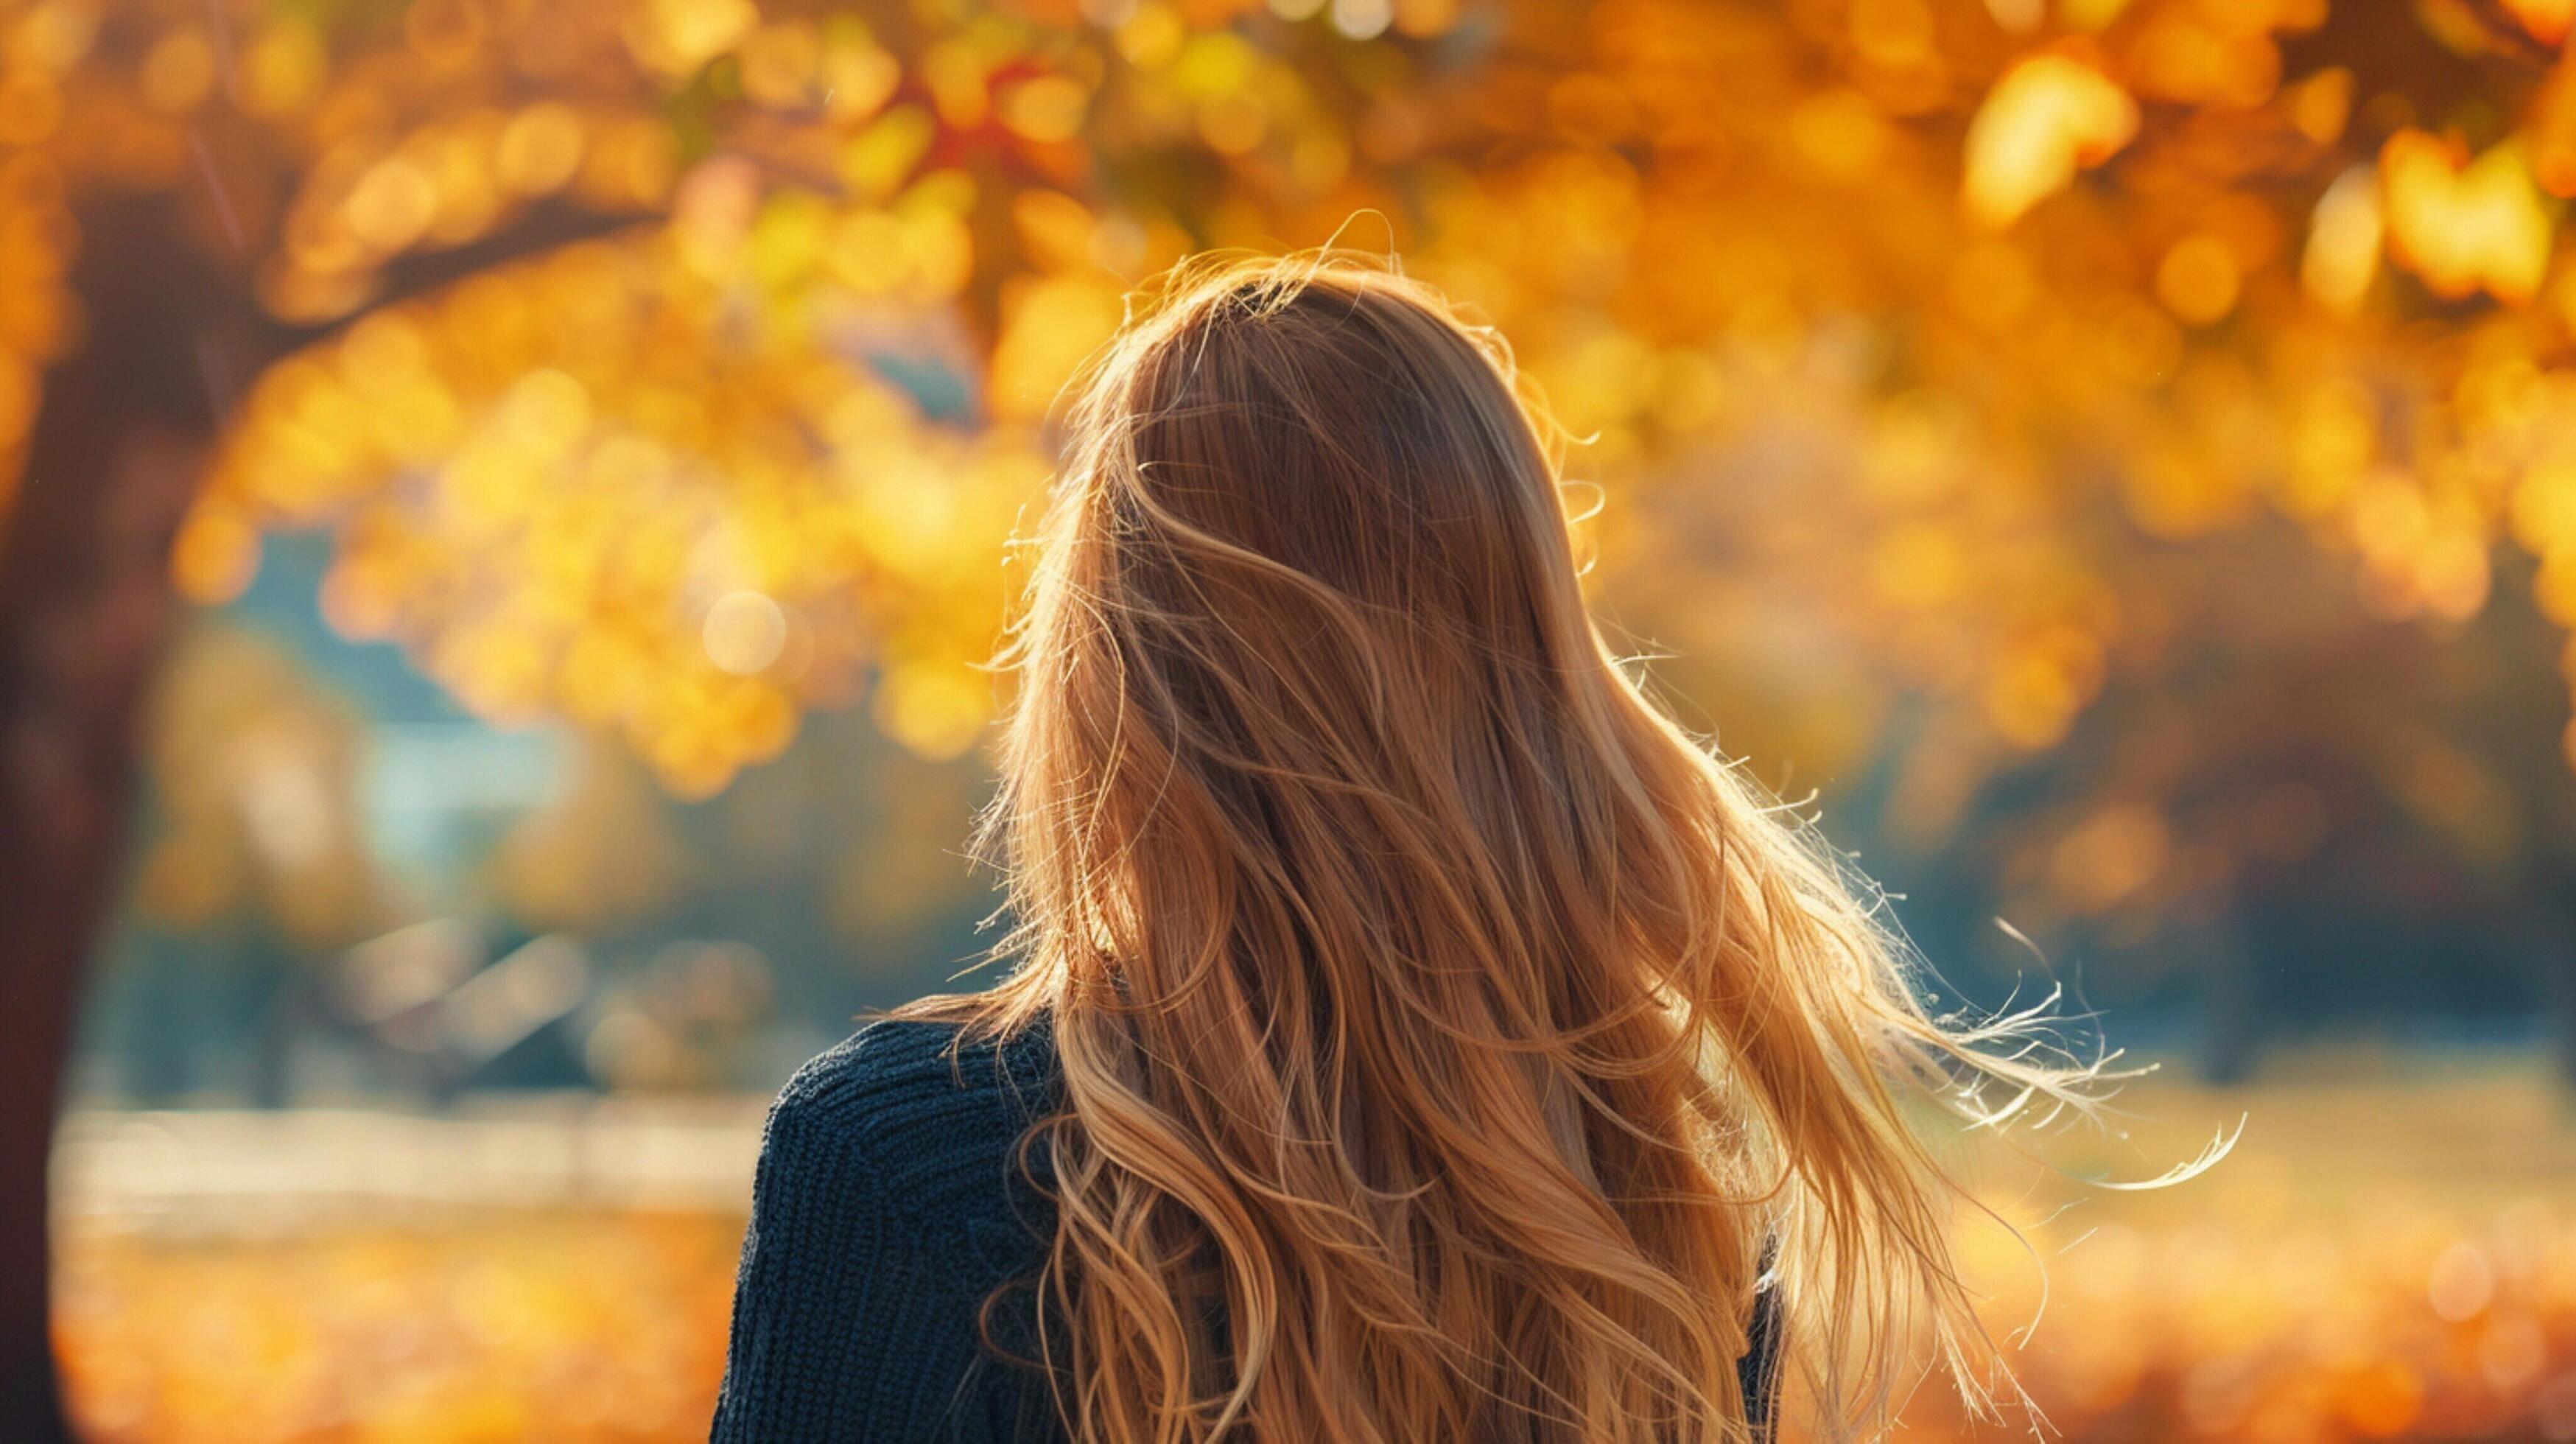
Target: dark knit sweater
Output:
{"points": [[888, 1206]]}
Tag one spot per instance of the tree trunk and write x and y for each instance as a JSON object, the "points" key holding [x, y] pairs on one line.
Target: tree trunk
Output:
{"points": [[85, 606]]}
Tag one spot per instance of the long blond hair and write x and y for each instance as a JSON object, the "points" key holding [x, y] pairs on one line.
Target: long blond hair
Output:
{"points": [[1447, 1036]]}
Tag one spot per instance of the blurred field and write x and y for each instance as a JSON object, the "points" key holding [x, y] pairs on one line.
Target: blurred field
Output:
{"points": [[2390, 1254]]}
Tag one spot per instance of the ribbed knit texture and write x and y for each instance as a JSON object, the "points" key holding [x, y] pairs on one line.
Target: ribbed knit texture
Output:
{"points": [[888, 1206]]}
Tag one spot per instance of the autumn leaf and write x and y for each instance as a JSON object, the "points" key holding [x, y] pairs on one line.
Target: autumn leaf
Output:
{"points": [[2048, 118], [2463, 230]]}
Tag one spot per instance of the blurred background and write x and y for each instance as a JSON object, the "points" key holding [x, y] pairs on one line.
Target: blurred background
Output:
{"points": [[504, 501]]}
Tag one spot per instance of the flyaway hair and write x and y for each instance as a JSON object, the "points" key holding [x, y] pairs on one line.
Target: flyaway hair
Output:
{"points": [[1448, 1037]]}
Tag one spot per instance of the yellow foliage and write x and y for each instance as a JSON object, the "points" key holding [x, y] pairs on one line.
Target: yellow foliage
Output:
{"points": [[2482, 227], [755, 444], [2048, 118], [1050, 326]]}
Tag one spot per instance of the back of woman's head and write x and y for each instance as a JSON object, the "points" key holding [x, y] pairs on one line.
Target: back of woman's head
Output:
{"points": [[1448, 1038]]}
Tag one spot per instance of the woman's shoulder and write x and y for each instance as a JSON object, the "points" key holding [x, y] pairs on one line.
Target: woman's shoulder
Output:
{"points": [[888, 1208], [935, 1111]]}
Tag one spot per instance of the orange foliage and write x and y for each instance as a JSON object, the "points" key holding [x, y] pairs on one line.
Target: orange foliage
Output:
{"points": [[2004, 265]]}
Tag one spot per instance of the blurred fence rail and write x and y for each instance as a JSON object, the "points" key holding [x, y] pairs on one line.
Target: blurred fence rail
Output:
{"points": [[256, 1171]]}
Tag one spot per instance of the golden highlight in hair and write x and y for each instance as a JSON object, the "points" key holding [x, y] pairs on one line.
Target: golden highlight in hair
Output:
{"points": [[1448, 1037]]}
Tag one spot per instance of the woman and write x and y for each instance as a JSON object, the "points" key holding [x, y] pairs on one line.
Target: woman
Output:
{"points": [[1414, 1034]]}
